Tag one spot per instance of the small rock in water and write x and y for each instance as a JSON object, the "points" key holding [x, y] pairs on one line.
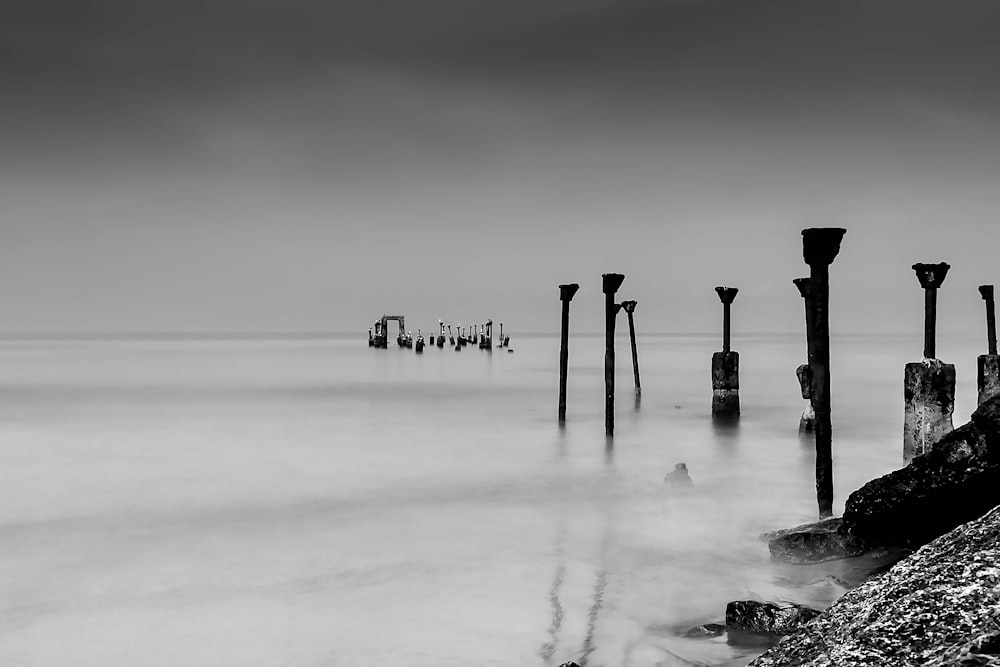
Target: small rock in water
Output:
{"points": [[678, 476], [753, 622], [705, 631], [569, 664]]}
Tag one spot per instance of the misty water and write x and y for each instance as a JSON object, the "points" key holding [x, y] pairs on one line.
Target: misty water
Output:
{"points": [[310, 501]]}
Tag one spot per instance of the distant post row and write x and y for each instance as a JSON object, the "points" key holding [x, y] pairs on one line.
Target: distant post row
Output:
{"points": [[378, 336]]}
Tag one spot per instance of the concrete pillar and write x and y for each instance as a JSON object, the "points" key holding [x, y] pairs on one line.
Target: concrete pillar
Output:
{"points": [[610, 284], [629, 307], [928, 385], [566, 294], [819, 248], [726, 365], [989, 364]]}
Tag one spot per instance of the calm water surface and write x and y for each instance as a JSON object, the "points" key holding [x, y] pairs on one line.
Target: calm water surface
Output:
{"points": [[316, 502]]}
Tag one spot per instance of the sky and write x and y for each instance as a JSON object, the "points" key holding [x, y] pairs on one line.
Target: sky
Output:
{"points": [[266, 166]]}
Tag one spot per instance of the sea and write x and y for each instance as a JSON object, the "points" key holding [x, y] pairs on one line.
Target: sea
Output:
{"points": [[312, 501]]}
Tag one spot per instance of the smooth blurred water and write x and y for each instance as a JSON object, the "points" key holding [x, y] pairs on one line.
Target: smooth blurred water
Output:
{"points": [[318, 502]]}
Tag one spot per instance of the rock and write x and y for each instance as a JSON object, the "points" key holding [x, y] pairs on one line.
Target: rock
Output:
{"points": [[753, 622], [569, 664], [939, 606], [814, 542], [705, 630], [956, 481], [678, 476]]}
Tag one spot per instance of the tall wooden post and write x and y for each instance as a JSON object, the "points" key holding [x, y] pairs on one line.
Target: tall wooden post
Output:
{"points": [[726, 365], [928, 385], [629, 307], [989, 364], [610, 284], [566, 294], [819, 248]]}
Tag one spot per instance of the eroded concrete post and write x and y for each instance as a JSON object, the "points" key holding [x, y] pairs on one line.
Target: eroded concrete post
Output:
{"points": [[610, 284], [726, 365], [629, 307], [566, 294], [928, 385], [807, 422], [989, 364], [819, 248]]}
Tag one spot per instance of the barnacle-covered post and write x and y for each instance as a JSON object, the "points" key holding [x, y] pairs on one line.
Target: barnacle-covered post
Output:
{"points": [[989, 364], [929, 384], [726, 365]]}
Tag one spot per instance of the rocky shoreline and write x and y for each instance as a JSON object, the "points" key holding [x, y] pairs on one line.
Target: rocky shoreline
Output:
{"points": [[939, 605]]}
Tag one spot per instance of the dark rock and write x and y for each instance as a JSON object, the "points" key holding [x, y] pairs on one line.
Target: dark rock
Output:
{"points": [[938, 607], [678, 476], [705, 631], [569, 664], [956, 481], [814, 542], [753, 622]]}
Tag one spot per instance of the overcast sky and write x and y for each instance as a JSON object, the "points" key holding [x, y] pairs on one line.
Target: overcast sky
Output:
{"points": [[288, 165]]}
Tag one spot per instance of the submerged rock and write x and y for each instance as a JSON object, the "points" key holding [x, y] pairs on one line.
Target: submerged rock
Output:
{"points": [[678, 476], [750, 621], [940, 606], [705, 631], [814, 542]]}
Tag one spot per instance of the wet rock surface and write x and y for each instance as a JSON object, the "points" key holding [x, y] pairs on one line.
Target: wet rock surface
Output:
{"points": [[939, 606], [753, 622]]}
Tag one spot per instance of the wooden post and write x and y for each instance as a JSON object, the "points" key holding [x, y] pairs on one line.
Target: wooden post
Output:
{"points": [[629, 307], [610, 284], [566, 293], [819, 248], [989, 364], [928, 385], [726, 365], [807, 422]]}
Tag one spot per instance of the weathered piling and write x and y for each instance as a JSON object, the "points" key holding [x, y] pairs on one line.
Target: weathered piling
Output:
{"points": [[928, 385], [989, 364], [807, 422], [819, 248], [440, 338], [726, 365], [629, 307], [566, 294], [610, 284]]}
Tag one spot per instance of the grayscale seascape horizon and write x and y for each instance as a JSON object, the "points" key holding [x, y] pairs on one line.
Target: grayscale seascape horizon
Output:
{"points": [[313, 501]]}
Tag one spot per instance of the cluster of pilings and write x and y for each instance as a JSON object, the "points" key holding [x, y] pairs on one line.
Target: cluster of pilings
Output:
{"points": [[929, 385], [480, 335]]}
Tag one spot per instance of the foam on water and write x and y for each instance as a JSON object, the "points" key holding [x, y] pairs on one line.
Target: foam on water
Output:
{"points": [[312, 502]]}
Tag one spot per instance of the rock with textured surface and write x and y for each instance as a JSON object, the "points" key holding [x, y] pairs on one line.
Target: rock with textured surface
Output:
{"points": [[750, 621], [939, 606], [814, 542]]}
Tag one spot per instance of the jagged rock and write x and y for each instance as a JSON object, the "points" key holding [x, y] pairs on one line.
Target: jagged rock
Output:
{"points": [[705, 630], [938, 607], [750, 621], [814, 542], [569, 664]]}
